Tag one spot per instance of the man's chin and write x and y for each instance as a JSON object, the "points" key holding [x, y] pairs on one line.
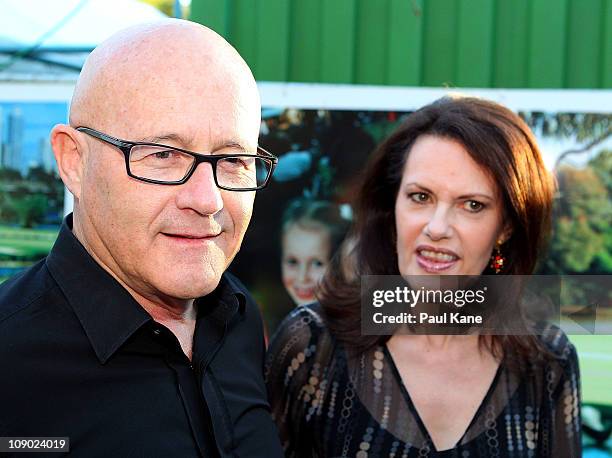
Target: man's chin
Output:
{"points": [[184, 289]]}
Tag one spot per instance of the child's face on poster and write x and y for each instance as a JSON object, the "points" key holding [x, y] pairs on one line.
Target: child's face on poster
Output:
{"points": [[306, 254]]}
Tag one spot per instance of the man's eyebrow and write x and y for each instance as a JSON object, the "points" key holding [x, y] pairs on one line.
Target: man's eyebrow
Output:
{"points": [[175, 138], [187, 143], [231, 144]]}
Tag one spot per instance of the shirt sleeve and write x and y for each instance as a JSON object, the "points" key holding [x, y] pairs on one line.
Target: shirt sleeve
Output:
{"points": [[289, 375], [562, 436]]}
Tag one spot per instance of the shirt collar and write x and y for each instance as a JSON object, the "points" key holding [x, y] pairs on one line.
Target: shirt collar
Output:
{"points": [[108, 313]]}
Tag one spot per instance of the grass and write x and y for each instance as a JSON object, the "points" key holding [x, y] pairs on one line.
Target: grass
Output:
{"points": [[26, 243], [595, 357]]}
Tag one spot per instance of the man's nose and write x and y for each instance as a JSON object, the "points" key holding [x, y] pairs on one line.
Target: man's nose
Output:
{"points": [[439, 226], [200, 193]]}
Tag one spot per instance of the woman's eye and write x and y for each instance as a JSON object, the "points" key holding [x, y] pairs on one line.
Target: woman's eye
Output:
{"points": [[317, 263], [473, 206], [419, 197]]}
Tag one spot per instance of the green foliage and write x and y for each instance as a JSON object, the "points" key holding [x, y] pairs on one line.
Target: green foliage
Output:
{"points": [[40, 175], [602, 166], [9, 175], [28, 201], [577, 245], [582, 237], [7, 210], [30, 209]]}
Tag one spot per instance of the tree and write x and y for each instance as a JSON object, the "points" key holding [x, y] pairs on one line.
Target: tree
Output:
{"points": [[30, 209], [589, 129], [582, 240], [602, 166], [40, 175], [8, 175]]}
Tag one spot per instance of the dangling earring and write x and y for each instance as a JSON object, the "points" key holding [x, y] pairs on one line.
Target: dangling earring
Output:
{"points": [[497, 259]]}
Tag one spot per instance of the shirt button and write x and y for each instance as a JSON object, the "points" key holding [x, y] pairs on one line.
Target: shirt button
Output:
{"points": [[156, 332]]}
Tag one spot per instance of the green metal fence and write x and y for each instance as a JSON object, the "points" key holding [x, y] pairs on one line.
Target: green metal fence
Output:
{"points": [[457, 43]]}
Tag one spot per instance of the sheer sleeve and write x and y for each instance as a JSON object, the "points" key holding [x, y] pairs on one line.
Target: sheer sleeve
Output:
{"points": [[561, 434], [292, 377]]}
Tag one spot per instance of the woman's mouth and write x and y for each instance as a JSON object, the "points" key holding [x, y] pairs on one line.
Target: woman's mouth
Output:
{"points": [[435, 260]]}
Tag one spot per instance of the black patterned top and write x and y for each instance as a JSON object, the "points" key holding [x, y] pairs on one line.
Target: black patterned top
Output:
{"points": [[328, 405]]}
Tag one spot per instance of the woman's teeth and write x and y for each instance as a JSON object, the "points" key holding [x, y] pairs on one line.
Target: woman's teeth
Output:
{"points": [[437, 256]]}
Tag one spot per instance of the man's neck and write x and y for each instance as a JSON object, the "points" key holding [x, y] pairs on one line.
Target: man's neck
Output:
{"points": [[182, 324]]}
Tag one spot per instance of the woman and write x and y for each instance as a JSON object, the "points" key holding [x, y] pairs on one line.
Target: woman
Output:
{"points": [[312, 231], [459, 189]]}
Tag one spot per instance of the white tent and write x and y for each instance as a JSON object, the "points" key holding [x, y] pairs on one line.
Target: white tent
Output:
{"points": [[50, 39]]}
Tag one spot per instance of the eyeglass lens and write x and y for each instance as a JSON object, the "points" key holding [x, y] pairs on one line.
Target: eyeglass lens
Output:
{"points": [[168, 165]]}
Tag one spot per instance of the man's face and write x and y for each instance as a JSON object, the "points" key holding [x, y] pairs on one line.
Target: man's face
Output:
{"points": [[169, 242]]}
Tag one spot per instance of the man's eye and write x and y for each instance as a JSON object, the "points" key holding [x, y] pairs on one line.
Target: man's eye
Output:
{"points": [[154, 155], [473, 206], [237, 162], [163, 154], [419, 197]]}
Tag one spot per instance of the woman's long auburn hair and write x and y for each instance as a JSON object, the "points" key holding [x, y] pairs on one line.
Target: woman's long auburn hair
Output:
{"points": [[502, 144]]}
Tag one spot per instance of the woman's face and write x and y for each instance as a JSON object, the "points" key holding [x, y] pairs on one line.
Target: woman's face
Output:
{"points": [[306, 254], [448, 211]]}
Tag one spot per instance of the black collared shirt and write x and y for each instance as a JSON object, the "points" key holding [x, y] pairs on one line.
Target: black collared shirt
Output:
{"points": [[80, 358]]}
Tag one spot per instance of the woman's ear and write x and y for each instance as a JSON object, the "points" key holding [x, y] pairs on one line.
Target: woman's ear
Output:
{"points": [[68, 153], [505, 234]]}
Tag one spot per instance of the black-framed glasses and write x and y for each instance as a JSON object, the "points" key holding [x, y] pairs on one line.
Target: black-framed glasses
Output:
{"points": [[168, 165]]}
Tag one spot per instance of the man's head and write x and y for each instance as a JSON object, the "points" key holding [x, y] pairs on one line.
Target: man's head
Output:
{"points": [[180, 84]]}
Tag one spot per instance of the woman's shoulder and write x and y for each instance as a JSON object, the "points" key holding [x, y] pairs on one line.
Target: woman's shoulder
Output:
{"points": [[305, 321], [301, 342], [303, 331], [561, 363], [556, 342]]}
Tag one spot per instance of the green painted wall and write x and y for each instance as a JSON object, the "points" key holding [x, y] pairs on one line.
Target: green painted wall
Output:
{"points": [[457, 43]]}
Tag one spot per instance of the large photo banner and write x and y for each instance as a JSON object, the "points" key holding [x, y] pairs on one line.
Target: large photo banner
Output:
{"points": [[324, 135]]}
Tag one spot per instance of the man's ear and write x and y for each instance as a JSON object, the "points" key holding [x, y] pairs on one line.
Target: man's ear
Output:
{"points": [[68, 151]]}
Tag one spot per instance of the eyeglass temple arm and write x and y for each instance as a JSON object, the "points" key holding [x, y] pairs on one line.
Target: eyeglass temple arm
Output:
{"points": [[104, 137]]}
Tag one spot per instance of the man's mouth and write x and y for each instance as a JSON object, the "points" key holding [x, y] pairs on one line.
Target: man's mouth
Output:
{"points": [[435, 260], [191, 238]]}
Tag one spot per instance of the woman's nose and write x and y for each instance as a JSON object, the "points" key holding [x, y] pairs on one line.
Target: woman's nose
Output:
{"points": [[438, 226]]}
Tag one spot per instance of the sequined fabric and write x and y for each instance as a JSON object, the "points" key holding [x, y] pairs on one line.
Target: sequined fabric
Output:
{"points": [[328, 405]]}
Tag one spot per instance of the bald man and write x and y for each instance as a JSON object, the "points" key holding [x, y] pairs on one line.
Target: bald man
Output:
{"points": [[130, 339]]}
